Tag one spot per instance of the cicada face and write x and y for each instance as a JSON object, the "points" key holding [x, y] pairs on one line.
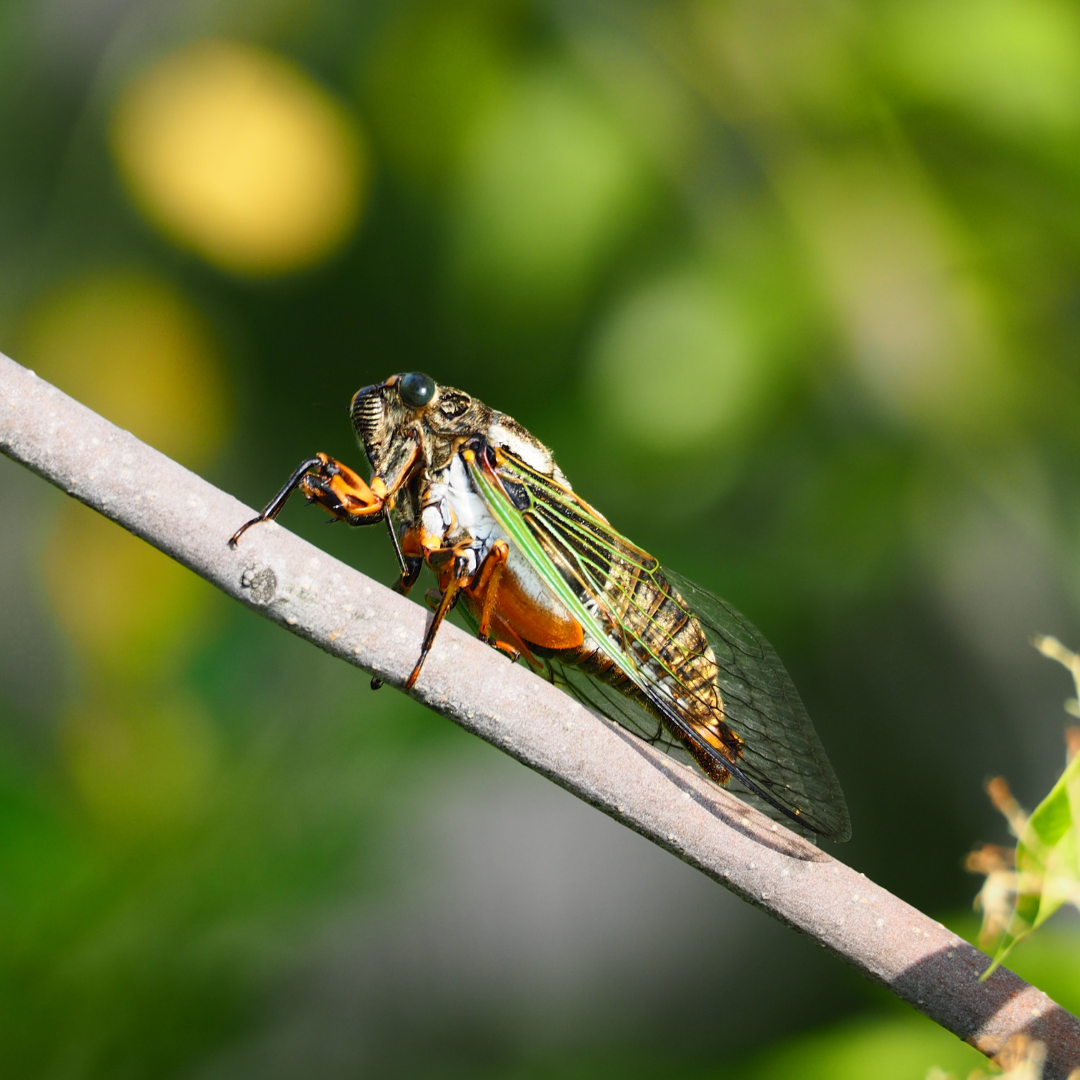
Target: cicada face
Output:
{"points": [[414, 410]]}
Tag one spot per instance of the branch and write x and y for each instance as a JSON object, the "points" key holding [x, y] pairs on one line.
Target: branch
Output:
{"points": [[350, 616]]}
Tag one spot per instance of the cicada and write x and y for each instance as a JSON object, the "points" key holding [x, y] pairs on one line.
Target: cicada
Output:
{"points": [[544, 577]]}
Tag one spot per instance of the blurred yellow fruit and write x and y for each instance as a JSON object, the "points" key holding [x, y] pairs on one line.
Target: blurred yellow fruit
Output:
{"points": [[236, 153], [133, 349]]}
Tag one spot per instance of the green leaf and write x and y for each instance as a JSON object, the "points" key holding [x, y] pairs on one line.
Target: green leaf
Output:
{"points": [[1047, 861]]}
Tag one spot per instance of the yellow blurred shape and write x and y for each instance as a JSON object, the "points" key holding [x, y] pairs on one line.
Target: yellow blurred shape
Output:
{"points": [[129, 610], [144, 766], [675, 364], [236, 153], [133, 349]]}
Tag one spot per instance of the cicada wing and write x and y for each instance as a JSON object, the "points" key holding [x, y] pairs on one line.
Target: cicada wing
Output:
{"points": [[600, 698], [636, 611], [782, 753]]}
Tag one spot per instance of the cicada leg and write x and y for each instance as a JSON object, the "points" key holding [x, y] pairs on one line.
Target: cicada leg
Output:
{"points": [[344, 494], [487, 588], [335, 487], [486, 584], [411, 558], [451, 566], [455, 581]]}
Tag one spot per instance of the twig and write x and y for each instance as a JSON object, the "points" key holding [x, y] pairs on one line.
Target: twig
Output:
{"points": [[350, 616]]}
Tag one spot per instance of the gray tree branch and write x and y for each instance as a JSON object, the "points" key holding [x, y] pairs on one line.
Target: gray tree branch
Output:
{"points": [[350, 616]]}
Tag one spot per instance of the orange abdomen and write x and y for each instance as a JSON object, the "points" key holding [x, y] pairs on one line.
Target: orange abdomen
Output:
{"points": [[525, 621]]}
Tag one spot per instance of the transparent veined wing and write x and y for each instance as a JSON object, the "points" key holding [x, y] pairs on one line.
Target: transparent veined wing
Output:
{"points": [[782, 754], [697, 665], [630, 714]]}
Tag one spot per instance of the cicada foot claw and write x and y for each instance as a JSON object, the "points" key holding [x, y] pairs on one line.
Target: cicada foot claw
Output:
{"points": [[505, 648], [235, 538], [411, 565]]}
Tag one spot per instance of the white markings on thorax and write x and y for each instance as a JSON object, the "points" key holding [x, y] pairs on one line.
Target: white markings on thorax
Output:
{"points": [[508, 435], [455, 512]]}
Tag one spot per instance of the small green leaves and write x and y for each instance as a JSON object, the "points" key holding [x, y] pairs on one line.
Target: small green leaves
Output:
{"points": [[1024, 888]]}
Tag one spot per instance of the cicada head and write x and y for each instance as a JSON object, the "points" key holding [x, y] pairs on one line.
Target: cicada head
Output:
{"points": [[379, 417], [409, 406]]}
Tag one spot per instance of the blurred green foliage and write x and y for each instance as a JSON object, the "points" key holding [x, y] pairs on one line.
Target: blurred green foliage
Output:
{"points": [[793, 291]]}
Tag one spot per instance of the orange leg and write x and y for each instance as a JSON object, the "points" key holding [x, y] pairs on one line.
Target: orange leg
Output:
{"points": [[343, 493], [488, 584], [449, 598], [482, 587], [335, 487], [449, 565], [488, 587]]}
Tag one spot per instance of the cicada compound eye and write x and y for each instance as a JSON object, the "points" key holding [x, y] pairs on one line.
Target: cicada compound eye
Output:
{"points": [[416, 389]]}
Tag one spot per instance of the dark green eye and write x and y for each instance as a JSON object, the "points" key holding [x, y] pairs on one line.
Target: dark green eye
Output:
{"points": [[416, 389]]}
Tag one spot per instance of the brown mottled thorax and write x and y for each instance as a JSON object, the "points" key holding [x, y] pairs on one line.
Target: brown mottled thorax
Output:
{"points": [[399, 438]]}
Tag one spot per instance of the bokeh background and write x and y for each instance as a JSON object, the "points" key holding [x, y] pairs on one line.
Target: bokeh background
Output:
{"points": [[793, 289]]}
